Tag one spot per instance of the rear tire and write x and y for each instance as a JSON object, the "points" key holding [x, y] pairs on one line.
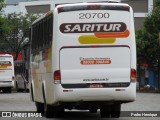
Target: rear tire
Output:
{"points": [[40, 107], [59, 111], [116, 111], [112, 111], [48, 111], [105, 111], [54, 111]]}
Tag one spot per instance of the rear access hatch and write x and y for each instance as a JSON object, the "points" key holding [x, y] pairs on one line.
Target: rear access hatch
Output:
{"points": [[102, 65]]}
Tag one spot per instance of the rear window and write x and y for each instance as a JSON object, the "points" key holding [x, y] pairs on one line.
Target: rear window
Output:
{"points": [[93, 7], [5, 64]]}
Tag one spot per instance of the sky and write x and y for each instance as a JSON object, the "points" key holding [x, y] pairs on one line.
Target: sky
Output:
{"points": [[10, 9], [12, 2], [15, 1], [10, 6]]}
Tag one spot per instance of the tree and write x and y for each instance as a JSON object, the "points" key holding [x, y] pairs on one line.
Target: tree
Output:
{"points": [[17, 33], [148, 42], [3, 26], [148, 46], [2, 20], [2, 4]]}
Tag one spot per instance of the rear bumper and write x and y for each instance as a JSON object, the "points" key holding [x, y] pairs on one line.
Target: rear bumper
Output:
{"points": [[126, 94], [4, 84]]}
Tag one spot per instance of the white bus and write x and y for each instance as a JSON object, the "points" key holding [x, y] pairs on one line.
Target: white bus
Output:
{"points": [[6, 73], [83, 56]]}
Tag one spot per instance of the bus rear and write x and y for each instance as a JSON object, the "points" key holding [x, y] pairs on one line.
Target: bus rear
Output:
{"points": [[94, 57], [6, 73], [87, 61]]}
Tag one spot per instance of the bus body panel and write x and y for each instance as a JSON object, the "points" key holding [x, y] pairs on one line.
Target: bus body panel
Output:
{"points": [[95, 65], [99, 94], [92, 53], [70, 49], [41, 74], [6, 71]]}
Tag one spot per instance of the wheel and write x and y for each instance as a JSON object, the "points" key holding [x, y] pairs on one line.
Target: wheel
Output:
{"points": [[105, 111], [116, 110], [40, 107], [48, 111], [59, 111], [53, 111]]}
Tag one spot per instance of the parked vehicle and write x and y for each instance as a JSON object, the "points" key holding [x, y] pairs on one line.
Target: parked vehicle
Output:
{"points": [[21, 82], [6, 73]]}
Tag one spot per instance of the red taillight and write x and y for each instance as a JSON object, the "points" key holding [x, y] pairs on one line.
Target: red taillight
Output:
{"points": [[133, 75], [57, 76], [12, 77], [126, 6], [60, 9], [94, 6]]}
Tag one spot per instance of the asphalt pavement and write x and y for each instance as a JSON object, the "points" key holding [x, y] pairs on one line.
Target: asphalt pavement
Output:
{"points": [[146, 107]]}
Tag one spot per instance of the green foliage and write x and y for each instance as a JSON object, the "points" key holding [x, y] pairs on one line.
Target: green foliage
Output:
{"points": [[148, 47], [2, 4], [4, 29], [16, 33], [156, 3], [3, 25]]}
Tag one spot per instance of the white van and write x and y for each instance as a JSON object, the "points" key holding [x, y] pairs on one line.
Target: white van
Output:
{"points": [[83, 56], [6, 73]]}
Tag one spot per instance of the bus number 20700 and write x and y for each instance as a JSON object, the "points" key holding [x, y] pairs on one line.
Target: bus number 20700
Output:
{"points": [[93, 15]]}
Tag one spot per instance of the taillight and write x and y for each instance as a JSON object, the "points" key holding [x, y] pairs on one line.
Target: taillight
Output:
{"points": [[60, 9], [57, 77], [12, 77], [133, 75], [126, 6], [94, 6]]}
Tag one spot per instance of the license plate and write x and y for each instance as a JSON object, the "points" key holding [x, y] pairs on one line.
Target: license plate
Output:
{"points": [[95, 85]]}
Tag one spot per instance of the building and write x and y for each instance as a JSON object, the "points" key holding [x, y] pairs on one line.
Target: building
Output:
{"points": [[141, 7]]}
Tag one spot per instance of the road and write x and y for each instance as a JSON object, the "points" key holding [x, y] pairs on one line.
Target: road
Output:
{"points": [[21, 102]]}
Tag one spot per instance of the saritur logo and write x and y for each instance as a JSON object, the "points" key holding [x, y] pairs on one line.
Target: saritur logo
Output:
{"points": [[93, 27]]}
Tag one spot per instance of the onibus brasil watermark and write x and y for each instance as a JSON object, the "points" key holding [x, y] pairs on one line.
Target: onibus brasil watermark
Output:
{"points": [[16, 114], [22, 114]]}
